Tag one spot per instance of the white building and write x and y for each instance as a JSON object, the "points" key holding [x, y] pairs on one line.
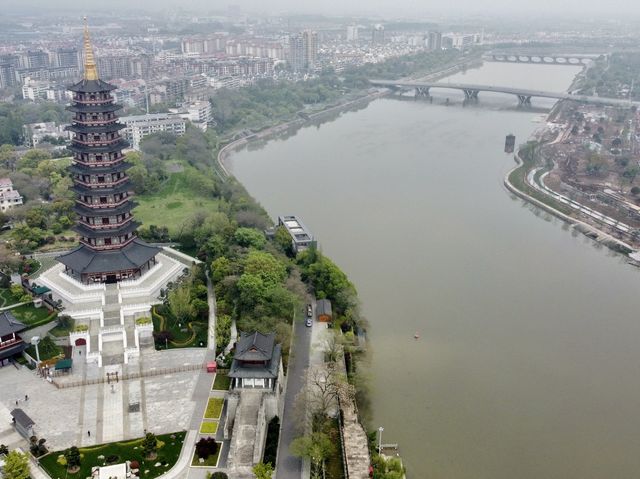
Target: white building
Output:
{"points": [[352, 33], [34, 90], [139, 126], [197, 112], [8, 196], [34, 133]]}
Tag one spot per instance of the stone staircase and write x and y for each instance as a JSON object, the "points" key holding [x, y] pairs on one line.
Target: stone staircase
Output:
{"points": [[245, 432]]}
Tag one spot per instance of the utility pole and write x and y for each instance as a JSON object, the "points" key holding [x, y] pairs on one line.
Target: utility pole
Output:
{"points": [[380, 429]]}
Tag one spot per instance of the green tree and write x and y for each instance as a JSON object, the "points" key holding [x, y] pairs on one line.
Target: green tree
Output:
{"points": [[180, 303], [220, 268], [223, 331], [252, 290], [317, 447], [263, 471], [249, 238], [266, 266], [150, 445], [283, 240], [16, 466], [73, 458]]}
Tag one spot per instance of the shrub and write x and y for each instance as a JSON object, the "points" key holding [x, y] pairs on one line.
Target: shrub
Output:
{"points": [[205, 447], [112, 459], [219, 475]]}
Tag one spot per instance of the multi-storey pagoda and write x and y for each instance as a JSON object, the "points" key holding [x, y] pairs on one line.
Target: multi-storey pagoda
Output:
{"points": [[109, 248]]}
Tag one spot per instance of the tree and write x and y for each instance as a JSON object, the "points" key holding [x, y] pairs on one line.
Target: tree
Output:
{"points": [[205, 447], [73, 458], [283, 240], [263, 471], [180, 303], [16, 466], [317, 447], [223, 330], [150, 445], [266, 266], [249, 238]]}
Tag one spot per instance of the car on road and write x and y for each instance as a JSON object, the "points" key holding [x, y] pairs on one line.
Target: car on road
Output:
{"points": [[309, 322], [309, 310]]}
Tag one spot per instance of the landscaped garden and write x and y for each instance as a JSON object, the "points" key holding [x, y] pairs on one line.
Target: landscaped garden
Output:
{"points": [[207, 453], [214, 408], [7, 298], [46, 348], [183, 321], [168, 451], [31, 316], [208, 427], [222, 382]]}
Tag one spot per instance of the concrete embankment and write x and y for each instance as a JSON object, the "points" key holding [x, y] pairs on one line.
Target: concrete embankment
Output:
{"points": [[581, 226]]}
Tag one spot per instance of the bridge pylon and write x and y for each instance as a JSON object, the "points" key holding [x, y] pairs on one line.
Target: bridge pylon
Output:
{"points": [[471, 94], [524, 100], [422, 91]]}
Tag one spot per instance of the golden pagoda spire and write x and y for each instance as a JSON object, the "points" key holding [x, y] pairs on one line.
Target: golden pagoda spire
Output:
{"points": [[90, 69]]}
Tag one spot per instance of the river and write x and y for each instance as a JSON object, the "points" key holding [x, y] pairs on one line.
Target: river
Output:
{"points": [[528, 356]]}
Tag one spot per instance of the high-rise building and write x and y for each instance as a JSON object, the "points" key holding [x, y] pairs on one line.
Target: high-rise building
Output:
{"points": [[303, 50], [377, 34], [36, 59], [109, 250], [434, 41], [8, 76], [66, 57], [352, 33]]}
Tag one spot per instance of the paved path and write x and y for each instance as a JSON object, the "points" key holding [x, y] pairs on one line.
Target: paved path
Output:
{"points": [[211, 299], [287, 465]]}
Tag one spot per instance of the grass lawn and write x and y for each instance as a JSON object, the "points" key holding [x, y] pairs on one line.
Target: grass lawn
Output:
{"points": [[32, 316], [128, 450], [47, 349], [221, 382], [6, 298], [173, 205], [214, 408], [211, 461], [184, 336], [60, 332], [208, 428]]}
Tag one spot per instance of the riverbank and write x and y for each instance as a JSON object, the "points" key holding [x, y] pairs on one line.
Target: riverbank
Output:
{"points": [[272, 131], [308, 118]]}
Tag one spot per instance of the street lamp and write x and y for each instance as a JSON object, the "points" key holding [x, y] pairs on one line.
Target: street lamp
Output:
{"points": [[380, 429], [35, 340]]}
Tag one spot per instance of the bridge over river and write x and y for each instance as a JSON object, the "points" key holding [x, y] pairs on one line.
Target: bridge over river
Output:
{"points": [[571, 59], [471, 92]]}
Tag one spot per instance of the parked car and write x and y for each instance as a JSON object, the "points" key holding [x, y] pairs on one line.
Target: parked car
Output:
{"points": [[309, 310], [309, 322]]}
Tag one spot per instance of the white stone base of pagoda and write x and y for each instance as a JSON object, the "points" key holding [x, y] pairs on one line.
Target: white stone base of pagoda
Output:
{"points": [[106, 314]]}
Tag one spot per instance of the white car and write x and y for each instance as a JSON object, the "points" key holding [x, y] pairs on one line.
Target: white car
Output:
{"points": [[309, 322]]}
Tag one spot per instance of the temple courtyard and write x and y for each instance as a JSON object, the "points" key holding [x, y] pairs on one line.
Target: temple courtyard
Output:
{"points": [[161, 400]]}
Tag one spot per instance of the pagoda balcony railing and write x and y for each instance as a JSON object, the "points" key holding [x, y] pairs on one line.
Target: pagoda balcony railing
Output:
{"points": [[93, 102], [100, 226], [94, 163], [104, 184], [108, 204], [97, 142], [108, 247], [10, 342], [104, 121]]}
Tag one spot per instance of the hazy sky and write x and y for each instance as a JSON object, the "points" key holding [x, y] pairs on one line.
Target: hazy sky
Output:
{"points": [[540, 8]]}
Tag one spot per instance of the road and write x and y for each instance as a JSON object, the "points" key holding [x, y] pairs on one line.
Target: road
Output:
{"points": [[288, 466]]}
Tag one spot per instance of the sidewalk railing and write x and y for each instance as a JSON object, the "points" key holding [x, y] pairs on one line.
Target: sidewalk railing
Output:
{"points": [[128, 376]]}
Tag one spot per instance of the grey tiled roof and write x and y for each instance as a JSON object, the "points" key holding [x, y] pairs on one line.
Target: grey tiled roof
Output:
{"points": [[84, 260], [9, 324]]}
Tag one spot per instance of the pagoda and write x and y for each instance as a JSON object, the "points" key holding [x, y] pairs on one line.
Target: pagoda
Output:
{"points": [[109, 250]]}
